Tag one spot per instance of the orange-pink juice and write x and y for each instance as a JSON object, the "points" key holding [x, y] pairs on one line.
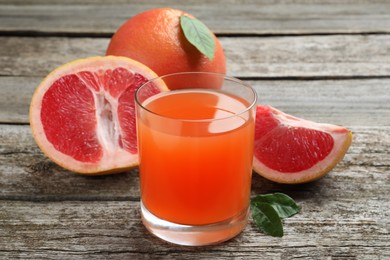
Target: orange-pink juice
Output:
{"points": [[195, 156]]}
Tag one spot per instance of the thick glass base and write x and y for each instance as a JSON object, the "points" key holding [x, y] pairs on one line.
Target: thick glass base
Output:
{"points": [[194, 235]]}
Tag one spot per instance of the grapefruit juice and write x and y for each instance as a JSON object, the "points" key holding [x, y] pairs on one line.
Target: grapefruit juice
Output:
{"points": [[195, 149]]}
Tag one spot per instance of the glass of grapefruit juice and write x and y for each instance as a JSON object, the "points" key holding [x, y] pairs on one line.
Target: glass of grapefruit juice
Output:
{"points": [[195, 151]]}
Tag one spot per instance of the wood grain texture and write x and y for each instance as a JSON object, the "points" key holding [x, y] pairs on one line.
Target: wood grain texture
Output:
{"points": [[113, 230], [51, 213], [345, 102], [27, 174], [306, 56], [236, 17]]}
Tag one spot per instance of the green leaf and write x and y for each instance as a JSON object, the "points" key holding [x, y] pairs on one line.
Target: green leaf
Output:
{"points": [[284, 205], [268, 211], [198, 35], [267, 219]]}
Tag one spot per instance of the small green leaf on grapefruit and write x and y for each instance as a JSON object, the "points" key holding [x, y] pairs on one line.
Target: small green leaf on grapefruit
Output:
{"points": [[198, 35]]}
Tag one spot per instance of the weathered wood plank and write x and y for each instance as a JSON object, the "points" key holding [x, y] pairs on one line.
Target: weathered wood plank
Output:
{"points": [[26, 174], [332, 227], [25, 168], [343, 102], [309, 56], [15, 98], [243, 17]]}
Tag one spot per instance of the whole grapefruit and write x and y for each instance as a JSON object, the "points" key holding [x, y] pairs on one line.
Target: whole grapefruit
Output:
{"points": [[156, 39]]}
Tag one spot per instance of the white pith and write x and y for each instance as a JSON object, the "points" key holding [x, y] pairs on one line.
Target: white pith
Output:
{"points": [[107, 131]]}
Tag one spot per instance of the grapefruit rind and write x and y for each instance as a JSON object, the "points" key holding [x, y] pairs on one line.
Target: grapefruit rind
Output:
{"points": [[342, 140], [113, 161]]}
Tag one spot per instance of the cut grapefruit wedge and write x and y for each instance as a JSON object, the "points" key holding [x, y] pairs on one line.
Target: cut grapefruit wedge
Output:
{"points": [[82, 114], [292, 150]]}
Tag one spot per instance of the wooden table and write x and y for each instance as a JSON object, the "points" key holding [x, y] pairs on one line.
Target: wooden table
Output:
{"points": [[327, 61]]}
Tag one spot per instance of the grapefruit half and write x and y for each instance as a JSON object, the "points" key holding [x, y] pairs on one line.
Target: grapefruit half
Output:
{"points": [[82, 115], [292, 150]]}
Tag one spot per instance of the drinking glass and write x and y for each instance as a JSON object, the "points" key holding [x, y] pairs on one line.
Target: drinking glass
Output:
{"points": [[195, 150]]}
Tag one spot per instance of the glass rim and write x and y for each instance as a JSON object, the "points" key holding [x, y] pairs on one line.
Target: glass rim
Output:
{"points": [[224, 76]]}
